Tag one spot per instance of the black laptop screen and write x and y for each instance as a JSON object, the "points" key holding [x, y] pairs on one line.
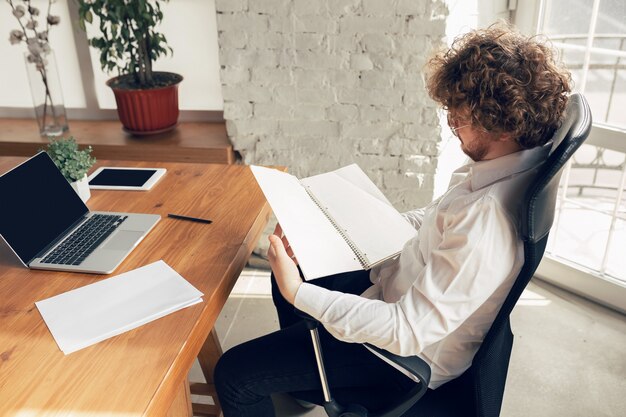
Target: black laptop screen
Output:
{"points": [[37, 204]]}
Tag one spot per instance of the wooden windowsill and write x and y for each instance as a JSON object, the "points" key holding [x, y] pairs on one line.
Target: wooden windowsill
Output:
{"points": [[205, 142]]}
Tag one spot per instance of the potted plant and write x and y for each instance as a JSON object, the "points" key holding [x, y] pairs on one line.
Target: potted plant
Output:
{"points": [[73, 163], [147, 100]]}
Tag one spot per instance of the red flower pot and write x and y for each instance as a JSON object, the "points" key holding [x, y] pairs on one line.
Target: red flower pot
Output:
{"points": [[147, 111]]}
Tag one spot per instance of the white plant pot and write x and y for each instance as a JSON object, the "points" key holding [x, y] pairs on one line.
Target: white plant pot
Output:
{"points": [[82, 188]]}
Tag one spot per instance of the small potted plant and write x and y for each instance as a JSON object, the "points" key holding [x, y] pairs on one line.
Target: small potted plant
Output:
{"points": [[147, 100], [73, 163]]}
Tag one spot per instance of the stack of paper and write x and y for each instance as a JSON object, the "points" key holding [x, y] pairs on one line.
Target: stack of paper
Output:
{"points": [[88, 315]]}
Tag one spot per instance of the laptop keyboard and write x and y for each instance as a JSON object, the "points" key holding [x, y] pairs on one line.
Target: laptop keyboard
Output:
{"points": [[84, 240]]}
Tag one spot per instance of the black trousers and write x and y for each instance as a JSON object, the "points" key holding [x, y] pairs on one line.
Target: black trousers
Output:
{"points": [[283, 361]]}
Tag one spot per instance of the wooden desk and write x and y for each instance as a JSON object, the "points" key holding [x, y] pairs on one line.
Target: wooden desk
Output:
{"points": [[189, 142], [142, 372]]}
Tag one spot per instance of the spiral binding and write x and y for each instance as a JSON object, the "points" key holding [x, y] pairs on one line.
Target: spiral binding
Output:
{"points": [[343, 233]]}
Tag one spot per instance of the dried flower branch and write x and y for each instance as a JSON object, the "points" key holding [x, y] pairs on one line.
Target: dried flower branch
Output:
{"points": [[36, 40], [26, 15]]}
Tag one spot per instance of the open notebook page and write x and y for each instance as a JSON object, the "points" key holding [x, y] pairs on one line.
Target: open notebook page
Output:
{"points": [[376, 228], [355, 175], [320, 250]]}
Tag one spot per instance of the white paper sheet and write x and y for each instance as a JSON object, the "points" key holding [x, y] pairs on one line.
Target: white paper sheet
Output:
{"points": [[95, 312]]}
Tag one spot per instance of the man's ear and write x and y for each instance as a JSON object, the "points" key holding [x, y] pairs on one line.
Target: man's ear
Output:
{"points": [[507, 141], [505, 137]]}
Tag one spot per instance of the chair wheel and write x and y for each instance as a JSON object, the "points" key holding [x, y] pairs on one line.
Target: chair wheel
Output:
{"points": [[354, 410]]}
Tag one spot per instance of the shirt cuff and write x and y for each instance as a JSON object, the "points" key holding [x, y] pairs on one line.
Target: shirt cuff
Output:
{"points": [[311, 299]]}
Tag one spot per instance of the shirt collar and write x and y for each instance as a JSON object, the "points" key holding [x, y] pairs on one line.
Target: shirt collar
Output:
{"points": [[484, 173]]}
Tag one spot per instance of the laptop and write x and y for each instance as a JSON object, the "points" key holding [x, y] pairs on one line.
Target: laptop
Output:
{"points": [[48, 226]]}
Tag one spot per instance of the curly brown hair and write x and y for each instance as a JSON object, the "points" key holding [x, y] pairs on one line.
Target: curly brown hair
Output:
{"points": [[505, 82]]}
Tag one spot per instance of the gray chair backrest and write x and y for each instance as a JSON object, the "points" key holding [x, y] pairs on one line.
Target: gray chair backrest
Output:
{"points": [[536, 216], [538, 212]]}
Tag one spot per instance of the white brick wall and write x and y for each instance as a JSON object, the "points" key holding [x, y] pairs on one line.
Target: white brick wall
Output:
{"points": [[318, 84]]}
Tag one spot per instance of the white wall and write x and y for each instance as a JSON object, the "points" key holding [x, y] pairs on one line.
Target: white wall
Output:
{"points": [[189, 26], [464, 16], [318, 84]]}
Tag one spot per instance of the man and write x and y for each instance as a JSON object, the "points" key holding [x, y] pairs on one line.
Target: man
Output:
{"points": [[505, 97]]}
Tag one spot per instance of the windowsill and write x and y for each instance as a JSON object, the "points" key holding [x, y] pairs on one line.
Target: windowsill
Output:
{"points": [[563, 274]]}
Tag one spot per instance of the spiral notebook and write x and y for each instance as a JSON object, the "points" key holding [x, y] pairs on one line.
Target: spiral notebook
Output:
{"points": [[335, 222]]}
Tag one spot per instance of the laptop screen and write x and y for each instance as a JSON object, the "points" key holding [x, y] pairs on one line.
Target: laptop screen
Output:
{"points": [[37, 204]]}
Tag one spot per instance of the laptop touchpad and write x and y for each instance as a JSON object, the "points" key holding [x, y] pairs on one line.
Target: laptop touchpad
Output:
{"points": [[123, 240]]}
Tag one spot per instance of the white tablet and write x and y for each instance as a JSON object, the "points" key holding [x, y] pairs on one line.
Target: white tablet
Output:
{"points": [[120, 178]]}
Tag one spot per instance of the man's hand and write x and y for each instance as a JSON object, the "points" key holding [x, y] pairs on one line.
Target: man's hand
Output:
{"points": [[278, 231], [284, 266]]}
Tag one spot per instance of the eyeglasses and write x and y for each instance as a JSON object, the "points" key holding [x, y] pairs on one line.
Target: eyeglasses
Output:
{"points": [[454, 129], [452, 122]]}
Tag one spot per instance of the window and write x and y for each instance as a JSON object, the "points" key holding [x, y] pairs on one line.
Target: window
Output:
{"points": [[585, 252]]}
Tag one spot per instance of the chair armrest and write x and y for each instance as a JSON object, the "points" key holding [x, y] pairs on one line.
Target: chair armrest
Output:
{"points": [[310, 322], [413, 364], [417, 367]]}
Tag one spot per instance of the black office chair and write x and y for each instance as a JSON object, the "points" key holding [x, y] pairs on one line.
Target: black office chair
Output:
{"points": [[479, 391]]}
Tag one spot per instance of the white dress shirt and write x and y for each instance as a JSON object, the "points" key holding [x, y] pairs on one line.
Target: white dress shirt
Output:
{"points": [[438, 298]]}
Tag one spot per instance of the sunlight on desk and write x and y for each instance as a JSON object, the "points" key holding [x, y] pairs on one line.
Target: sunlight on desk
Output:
{"points": [[35, 413]]}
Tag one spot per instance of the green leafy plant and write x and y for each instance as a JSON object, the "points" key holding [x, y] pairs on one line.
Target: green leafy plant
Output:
{"points": [[128, 41], [73, 162]]}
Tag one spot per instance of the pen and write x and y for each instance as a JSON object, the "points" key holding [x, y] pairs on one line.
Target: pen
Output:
{"points": [[191, 219]]}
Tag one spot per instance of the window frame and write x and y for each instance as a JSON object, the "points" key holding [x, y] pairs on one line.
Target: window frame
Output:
{"points": [[606, 290]]}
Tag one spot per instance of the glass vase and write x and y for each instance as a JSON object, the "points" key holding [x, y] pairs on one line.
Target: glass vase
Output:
{"points": [[45, 88]]}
